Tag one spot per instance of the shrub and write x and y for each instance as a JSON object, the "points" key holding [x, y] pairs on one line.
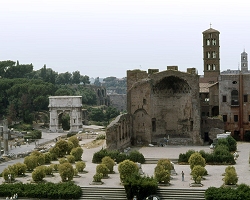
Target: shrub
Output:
{"points": [[74, 140], [247, 136], [30, 162], [38, 174], [66, 172], [98, 177], [6, 172], [80, 165], [47, 157], [166, 163], [232, 144], [42, 190], [196, 159], [77, 153], [71, 159], [62, 147], [230, 176], [98, 156], [161, 174], [109, 162], [141, 186], [48, 170], [70, 147], [136, 156], [126, 168], [63, 160], [75, 172], [183, 158], [40, 157], [197, 173], [103, 169], [19, 169]]}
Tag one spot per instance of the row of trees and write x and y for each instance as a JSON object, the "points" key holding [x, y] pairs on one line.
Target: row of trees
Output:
{"points": [[67, 152], [10, 70]]}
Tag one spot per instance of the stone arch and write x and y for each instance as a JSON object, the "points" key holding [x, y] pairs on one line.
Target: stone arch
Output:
{"points": [[71, 105]]}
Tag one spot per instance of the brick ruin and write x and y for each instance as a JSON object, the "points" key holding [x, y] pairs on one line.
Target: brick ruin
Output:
{"points": [[160, 105]]}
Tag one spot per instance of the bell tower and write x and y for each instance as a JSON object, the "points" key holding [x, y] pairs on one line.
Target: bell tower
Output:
{"points": [[244, 63], [211, 54]]}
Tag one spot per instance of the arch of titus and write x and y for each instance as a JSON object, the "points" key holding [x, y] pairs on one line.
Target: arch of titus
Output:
{"points": [[59, 105]]}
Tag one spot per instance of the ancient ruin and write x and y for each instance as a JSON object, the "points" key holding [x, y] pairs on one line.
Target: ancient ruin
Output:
{"points": [[72, 105]]}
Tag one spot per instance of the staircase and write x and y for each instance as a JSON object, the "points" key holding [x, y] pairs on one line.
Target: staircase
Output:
{"points": [[118, 193], [181, 194], [99, 193]]}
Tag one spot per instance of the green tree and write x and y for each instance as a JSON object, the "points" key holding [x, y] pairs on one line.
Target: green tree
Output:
{"points": [[231, 177], [109, 162], [102, 168], [74, 140], [71, 159], [30, 162], [85, 80], [19, 169], [38, 174], [62, 146], [196, 159], [66, 172], [6, 173], [97, 115], [70, 147], [80, 166], [197, 173], [40, 157], [127, 168], [111, 113], [77, 153], [76, 77], [161, 174]]}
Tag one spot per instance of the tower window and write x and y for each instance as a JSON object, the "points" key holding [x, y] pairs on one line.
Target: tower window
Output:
{"points": [[214, 42], [208, 67], [235, 118], [208, 55], [208, 42], [224, 118], [214, 67], [214, 54], [245, 98], [234, 97], [224, 98]]}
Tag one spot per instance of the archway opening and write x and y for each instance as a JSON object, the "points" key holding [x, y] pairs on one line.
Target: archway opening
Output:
{"points": [[64, 121]]}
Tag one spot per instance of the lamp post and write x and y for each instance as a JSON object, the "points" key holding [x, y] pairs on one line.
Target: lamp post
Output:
{"points": [[9, 178]]}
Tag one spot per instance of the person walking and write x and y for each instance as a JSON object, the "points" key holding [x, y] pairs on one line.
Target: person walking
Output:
{"points": [[182, 175]]}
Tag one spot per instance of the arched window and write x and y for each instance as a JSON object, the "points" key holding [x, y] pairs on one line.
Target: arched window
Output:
{"points": [[214, 67], [208, 42], [234, 97]]}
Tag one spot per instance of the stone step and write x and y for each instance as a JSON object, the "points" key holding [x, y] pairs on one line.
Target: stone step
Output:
{"points": [[181, 194], [98, 193]]}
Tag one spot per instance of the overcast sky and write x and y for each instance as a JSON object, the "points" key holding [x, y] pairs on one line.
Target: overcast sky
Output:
{"points": [[102, 38]]}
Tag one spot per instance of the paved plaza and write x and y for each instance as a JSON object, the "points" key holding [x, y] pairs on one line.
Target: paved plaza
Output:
{"points": [[214, 177]]}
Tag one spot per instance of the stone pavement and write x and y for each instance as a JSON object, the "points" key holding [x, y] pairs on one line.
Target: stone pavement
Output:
{"points": [[214, 177]]}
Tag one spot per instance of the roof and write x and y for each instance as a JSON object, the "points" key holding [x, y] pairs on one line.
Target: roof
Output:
{"points": [[210, 30], [204, 87]]}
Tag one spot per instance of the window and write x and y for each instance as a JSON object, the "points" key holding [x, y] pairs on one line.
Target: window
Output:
{"points": [[208, 67], [235, 118], [153, 125], [214, 42], [224, 98], [208, 54], [245, 98], [214, 54], [208, 42], [214, 67], [224, 118], [144, 101], [234, 97]]}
